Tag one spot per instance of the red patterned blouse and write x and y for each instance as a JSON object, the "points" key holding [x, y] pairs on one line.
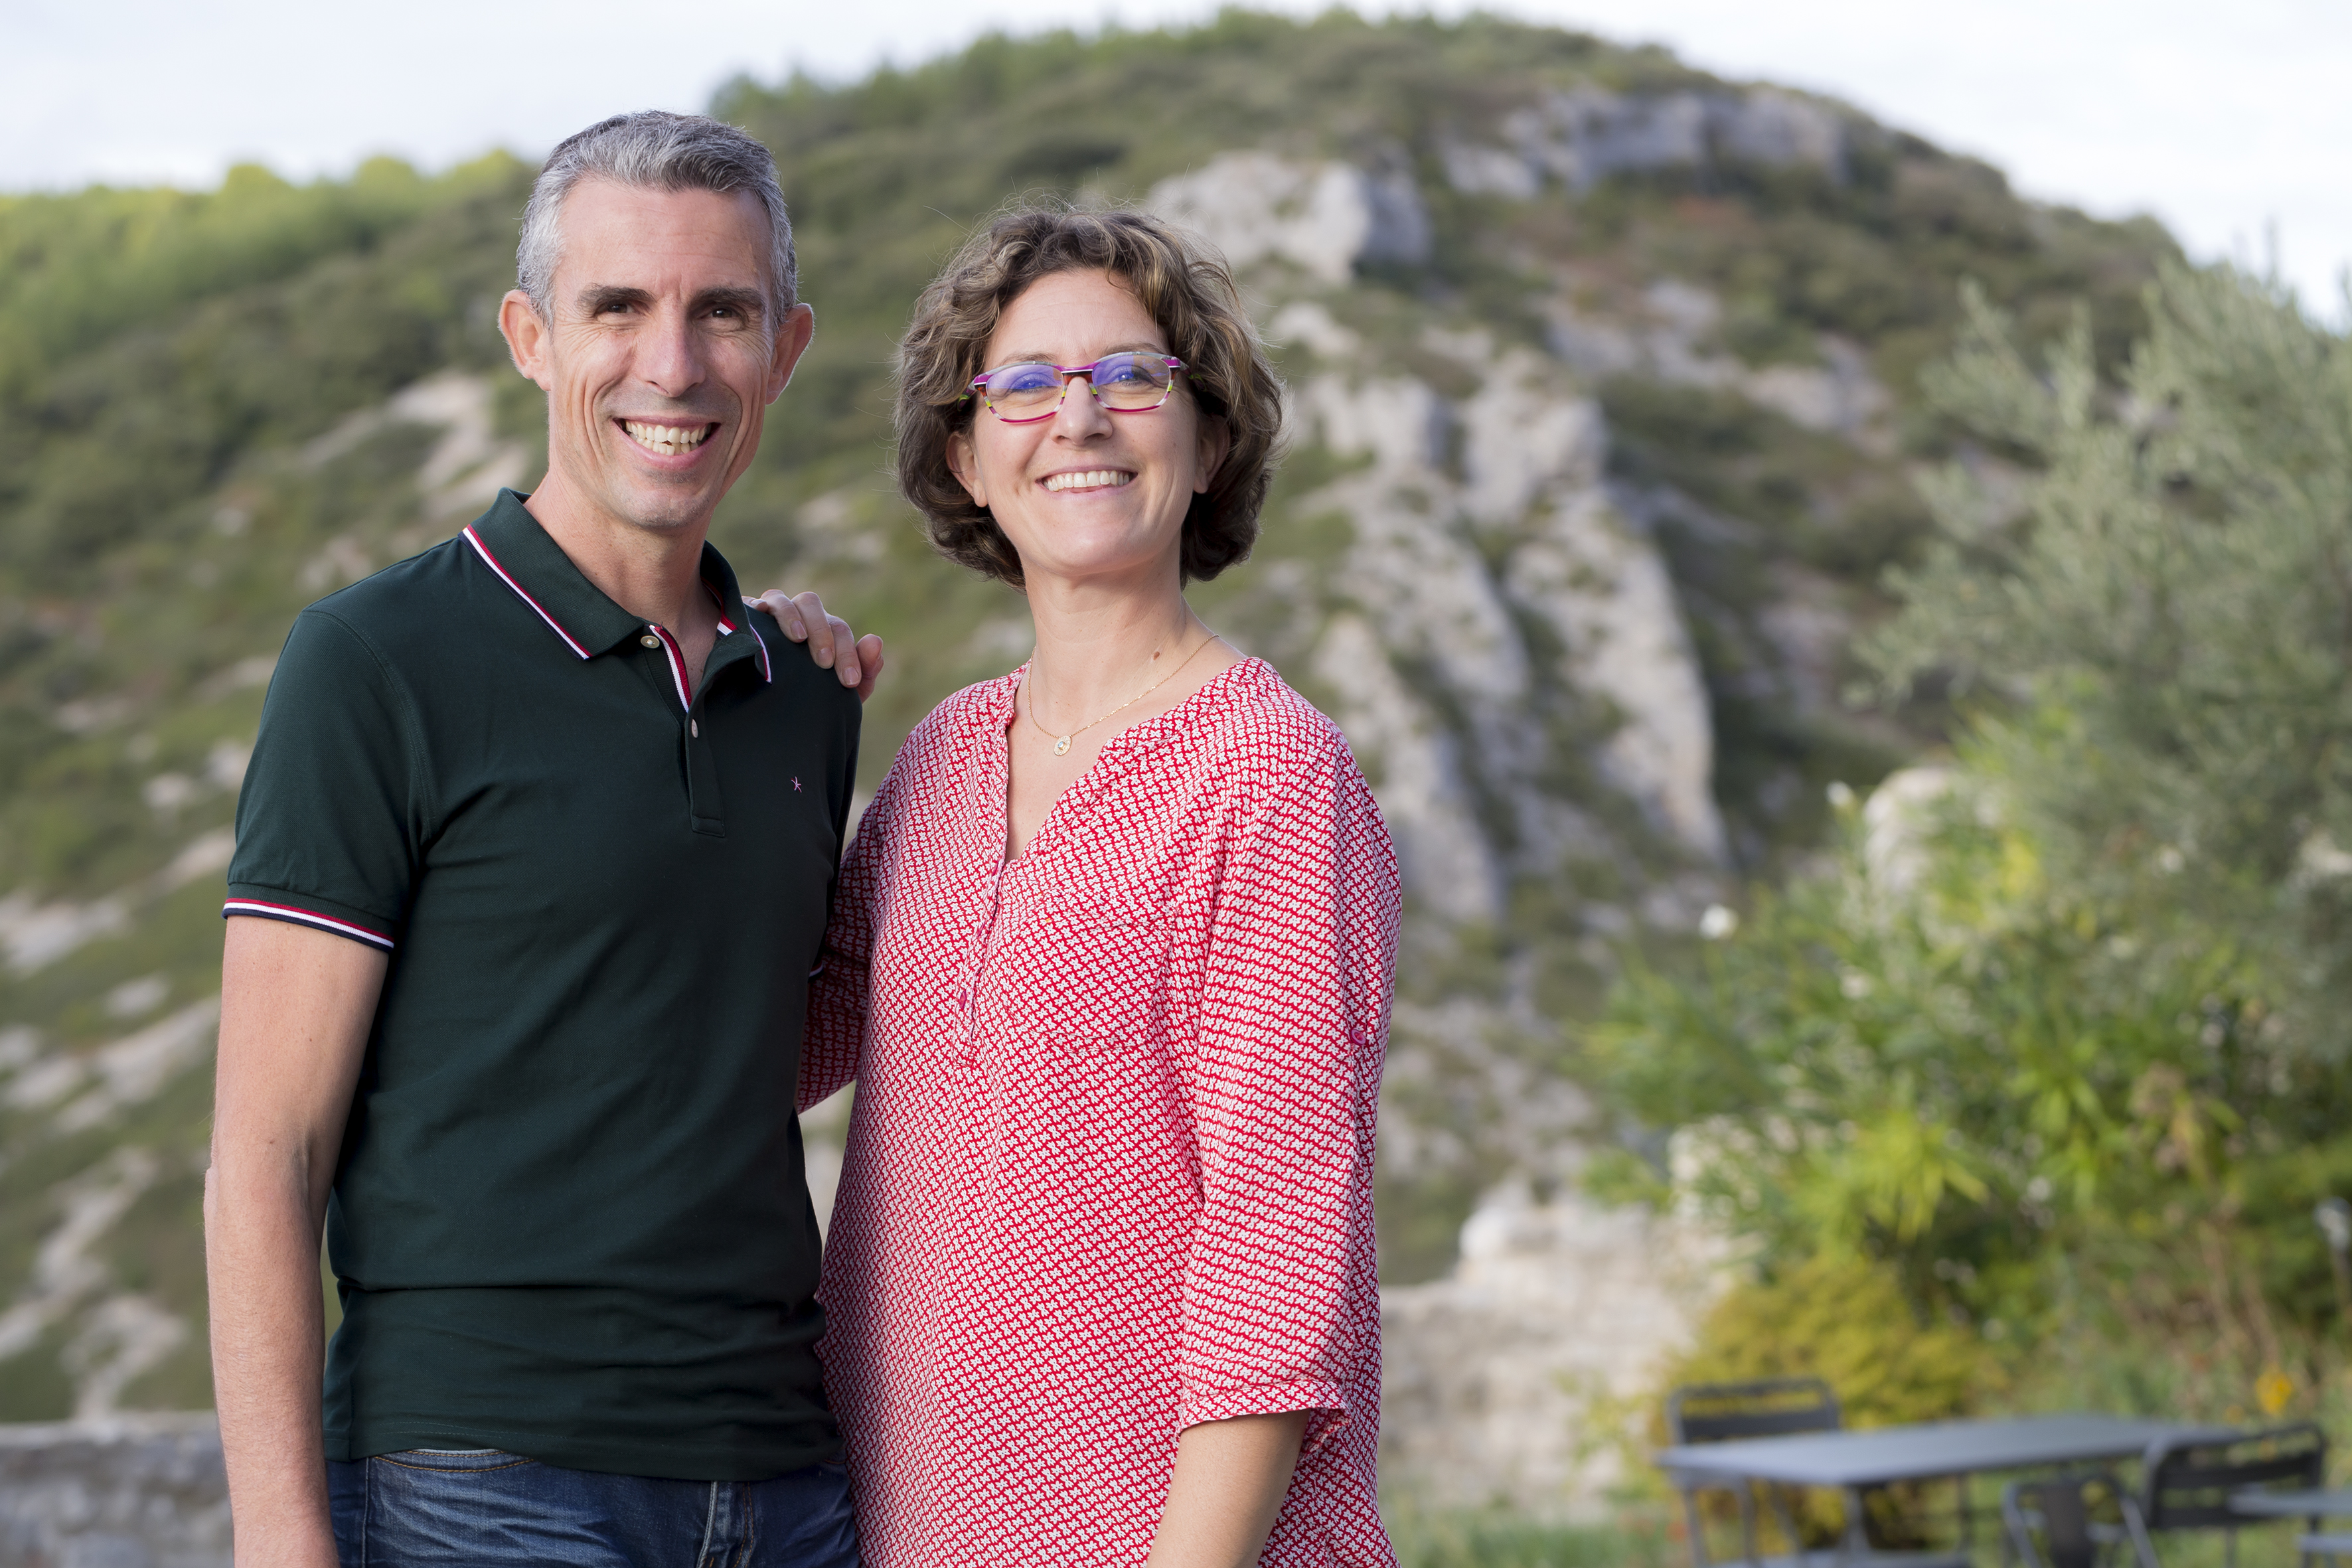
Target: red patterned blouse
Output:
{"points": [[1110, 1171]]}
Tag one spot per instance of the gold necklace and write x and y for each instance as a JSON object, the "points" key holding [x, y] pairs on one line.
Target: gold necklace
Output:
{"points": [[1061, 742]]}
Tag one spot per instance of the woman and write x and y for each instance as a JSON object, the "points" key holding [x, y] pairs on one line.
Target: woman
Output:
{"points": [[1109, 961]]}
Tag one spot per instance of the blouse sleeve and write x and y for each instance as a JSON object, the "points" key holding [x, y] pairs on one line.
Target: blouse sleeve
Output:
{"points": [[837, 996], [1281, 1300]]}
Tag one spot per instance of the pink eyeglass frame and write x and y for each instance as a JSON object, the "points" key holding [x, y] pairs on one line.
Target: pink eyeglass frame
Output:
{"points": [[979, 386]]}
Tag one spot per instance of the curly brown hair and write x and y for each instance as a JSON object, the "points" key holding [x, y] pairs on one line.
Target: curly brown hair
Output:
{"points": [[1189, 291]]}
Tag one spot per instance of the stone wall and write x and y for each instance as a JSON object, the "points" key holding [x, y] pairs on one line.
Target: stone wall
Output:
{"points": [[128, 1491]]}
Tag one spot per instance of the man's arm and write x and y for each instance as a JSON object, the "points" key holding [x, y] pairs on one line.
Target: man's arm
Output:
{"points": [[1229, 1483], [296, 1009]]}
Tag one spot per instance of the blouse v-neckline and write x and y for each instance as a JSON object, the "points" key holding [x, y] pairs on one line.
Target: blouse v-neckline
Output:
{"points": [[1088, 782]]}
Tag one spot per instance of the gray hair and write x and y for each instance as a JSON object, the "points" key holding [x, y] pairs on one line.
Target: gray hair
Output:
{"points": [[654, 150]]}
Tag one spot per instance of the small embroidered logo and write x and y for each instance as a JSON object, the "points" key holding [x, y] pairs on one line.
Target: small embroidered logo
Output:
{"points": [[797, 785]]}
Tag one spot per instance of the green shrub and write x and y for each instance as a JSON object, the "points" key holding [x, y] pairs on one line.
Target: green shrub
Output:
{"points": [[1847, 1321]]}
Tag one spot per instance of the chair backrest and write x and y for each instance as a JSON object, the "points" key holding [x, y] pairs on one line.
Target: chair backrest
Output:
{"points": [[2187, 1485], [1720, 1412], [2054, 1523]]}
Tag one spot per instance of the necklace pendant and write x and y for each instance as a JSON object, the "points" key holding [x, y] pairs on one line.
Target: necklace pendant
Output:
{"points": [[1062, 746]]}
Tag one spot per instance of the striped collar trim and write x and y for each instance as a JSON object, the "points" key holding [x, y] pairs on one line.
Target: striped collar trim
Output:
{"points": [[569, 583], [522, 592], [728, 628], [676, 654]]}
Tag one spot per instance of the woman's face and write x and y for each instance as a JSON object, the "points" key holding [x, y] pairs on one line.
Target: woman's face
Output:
{"points": [[1087, 495]]}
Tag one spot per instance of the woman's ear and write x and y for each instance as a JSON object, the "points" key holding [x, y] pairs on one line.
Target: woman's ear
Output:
{"points": [[963, 462], [1209, 446]]}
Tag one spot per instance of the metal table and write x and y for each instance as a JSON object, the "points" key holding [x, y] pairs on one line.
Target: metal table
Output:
{"points": [[2314, 1506], [1850, 1461], [2260, 1504]]}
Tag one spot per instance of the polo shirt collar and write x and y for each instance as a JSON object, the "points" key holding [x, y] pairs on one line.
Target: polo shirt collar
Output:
{"points": [[511, 543]]}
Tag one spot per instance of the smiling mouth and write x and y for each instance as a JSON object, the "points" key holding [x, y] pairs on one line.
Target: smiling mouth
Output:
{"points": [[668, 440], [1093, 480]]}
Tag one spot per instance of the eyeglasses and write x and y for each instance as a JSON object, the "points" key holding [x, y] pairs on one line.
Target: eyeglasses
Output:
{"points": [[1122, 382]]}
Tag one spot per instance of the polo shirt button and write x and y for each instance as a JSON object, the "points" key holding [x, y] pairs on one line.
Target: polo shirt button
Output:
{"points": [[649, 641]]}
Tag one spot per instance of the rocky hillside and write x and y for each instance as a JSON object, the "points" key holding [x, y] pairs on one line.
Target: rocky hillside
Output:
{"points": [[1603, 373]]}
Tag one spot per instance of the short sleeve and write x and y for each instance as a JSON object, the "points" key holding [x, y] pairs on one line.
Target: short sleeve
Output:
{"points": [[1280, 1296], [332, 813]]}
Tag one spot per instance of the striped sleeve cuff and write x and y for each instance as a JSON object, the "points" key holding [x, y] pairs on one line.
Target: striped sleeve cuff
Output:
{"points": [[296, 915]]}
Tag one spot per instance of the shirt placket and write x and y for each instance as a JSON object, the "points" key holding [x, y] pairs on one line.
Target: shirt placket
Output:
{"points": [[997, 912], [705, 807], [989, 871]]}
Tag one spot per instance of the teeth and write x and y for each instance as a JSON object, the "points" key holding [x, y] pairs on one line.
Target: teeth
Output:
{"points": [[668, 440], [1095, 480]]}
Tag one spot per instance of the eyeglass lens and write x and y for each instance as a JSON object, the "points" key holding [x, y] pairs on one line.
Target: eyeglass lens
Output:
{"points": [[1127, 382]]}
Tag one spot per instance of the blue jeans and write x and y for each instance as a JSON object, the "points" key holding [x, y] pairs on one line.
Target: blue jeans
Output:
{"points": [[478, 1508]]}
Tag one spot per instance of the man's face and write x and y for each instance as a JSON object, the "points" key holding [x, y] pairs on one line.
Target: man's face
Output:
{"points": [[662, 355]]}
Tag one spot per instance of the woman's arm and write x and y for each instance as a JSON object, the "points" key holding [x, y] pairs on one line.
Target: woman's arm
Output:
{"points": [[835, 1029], [1281, 1327], [1229, 1483]]}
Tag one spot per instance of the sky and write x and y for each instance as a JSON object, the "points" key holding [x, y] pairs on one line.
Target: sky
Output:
{"points": [[2216, 117]]}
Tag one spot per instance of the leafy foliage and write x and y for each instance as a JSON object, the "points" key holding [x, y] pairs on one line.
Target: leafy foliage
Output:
{"points": [[2162, 613], [1845, 1320], [131, 420], [78, 270], [2049, 1037], [1936, 1057]]}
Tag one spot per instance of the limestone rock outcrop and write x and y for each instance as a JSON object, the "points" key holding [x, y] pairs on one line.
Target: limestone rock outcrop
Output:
{"points": [[1581, 136], [1323, 218], [1517, 1380]]}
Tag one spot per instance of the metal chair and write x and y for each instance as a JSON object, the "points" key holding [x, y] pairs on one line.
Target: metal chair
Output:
{"points": [[1774, 1407], [2054, 1523], [2187, 1485]]}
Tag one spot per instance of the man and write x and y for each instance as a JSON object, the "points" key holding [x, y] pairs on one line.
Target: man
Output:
{"points": [[533, 862]]}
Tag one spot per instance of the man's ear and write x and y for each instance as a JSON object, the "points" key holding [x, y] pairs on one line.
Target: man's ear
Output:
{"points": [[963, 462], [525, 337], [792, 335]]}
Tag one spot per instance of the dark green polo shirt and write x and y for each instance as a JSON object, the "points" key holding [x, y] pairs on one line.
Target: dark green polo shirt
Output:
{"points": [[569, 1218]]}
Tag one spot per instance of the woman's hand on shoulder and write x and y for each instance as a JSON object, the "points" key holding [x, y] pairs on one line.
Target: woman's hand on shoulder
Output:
{"points": [[857, 660]]}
